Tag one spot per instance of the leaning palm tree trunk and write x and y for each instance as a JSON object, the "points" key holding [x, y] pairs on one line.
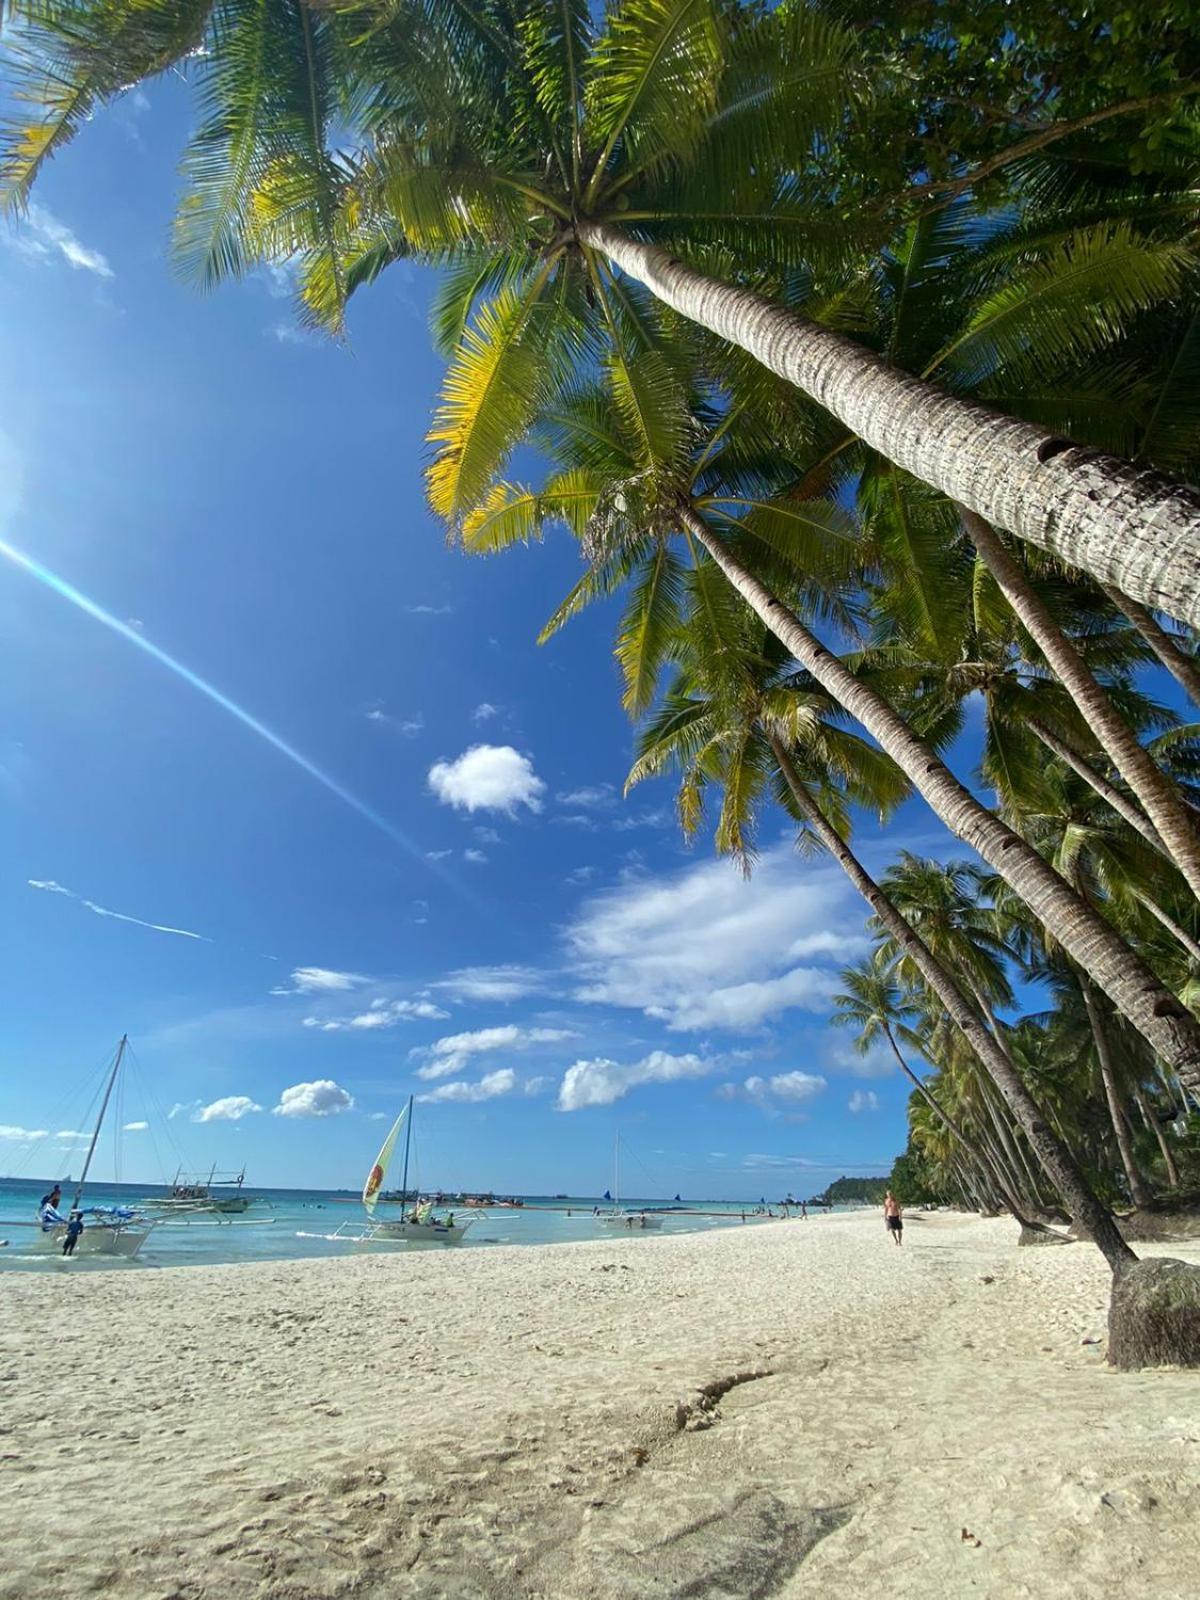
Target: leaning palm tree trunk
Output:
{"points": [[1116, 1112], [1087, 1210], [1158, 796], [1162, 1020], [1178, 663], [1100, 786], [1136, 529], [1150, 1118]]}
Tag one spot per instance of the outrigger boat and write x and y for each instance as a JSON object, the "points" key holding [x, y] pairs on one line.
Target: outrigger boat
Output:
{"points": [[626, 1221], [107, 1230], [220, 1192], [421, 1225]]}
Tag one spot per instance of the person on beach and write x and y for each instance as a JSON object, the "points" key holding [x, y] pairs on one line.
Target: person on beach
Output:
{"points": [[892, 1217], [74, 1229], [804, 1211]]}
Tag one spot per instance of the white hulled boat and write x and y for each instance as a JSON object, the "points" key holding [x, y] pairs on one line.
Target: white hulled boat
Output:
{"points": [[219, 1192], [622, 1220], [107, 1230], [421, 1224]]}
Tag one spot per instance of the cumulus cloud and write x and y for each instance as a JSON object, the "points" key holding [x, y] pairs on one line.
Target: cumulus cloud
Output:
{"points": [[134, 1127], [23, 1135], [475, 857], [863, 1100], [320, 980], [488, 777], [495, 1083], [451, 1054], [40, 233], [321, 1098], [706, 948], [231, 1109], [501, 983], [601, 1082]]}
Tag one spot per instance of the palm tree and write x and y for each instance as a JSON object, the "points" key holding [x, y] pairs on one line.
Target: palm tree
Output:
{"points": [[541, 147]]}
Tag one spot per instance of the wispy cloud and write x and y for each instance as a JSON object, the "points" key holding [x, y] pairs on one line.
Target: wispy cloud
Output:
{"points": [[601, 1082], [475, 857], [484, 712], [23, 1135], [230, 1109], [39, 233], [502, 983], [782, 1092], [488, 1088], [488, 777], [863, 1100], [704, 948], [429, 611], [451, 1054], [381, 1013], [602, 796], [320, 980], [322, 1098], [134, 1127], [406, 727], [49, 886]]}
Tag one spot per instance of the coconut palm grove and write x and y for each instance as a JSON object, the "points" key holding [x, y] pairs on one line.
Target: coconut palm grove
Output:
{"points": [[857, 346]]}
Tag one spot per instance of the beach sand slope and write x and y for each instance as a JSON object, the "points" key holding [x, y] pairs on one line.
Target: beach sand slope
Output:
{"points": [[792, 1409]]}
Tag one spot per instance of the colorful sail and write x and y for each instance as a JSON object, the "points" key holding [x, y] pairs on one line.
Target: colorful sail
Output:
{"points": [[378, 1172]]}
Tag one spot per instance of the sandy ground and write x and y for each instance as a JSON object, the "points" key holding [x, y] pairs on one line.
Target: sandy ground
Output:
{"points": [[793, 1409]]}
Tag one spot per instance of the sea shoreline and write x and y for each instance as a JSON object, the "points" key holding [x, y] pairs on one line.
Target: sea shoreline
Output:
{"points": [[791, 1409]]}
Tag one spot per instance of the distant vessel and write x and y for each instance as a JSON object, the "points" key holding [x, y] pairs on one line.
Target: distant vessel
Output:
{"points": [[421, 1225], [219, 1192], [627, 1221], [107, 1230]]}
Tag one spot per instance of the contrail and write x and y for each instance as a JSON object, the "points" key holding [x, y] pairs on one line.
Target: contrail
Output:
{"points": [[68, 592]]}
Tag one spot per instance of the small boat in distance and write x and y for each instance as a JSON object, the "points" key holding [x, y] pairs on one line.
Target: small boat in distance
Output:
{"points": [[220, 1192], [107, 1230], [421, 1225]]}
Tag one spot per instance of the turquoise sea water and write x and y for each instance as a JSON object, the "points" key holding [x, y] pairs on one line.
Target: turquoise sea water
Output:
{"points": [[275, 1226]]}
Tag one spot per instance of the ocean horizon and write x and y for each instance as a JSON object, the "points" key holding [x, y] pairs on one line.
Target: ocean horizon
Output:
{"points": [[284, 1224]]}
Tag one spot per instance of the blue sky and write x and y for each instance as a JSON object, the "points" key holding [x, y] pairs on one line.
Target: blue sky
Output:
{"points": [[457, 902]]}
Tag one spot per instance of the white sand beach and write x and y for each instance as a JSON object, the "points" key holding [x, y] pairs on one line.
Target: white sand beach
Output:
{"points": [[792, 1409]]}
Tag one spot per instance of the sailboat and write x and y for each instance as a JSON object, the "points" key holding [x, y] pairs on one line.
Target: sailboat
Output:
{"points": [[107, 1230], [627, 1221], [420, 1224]]}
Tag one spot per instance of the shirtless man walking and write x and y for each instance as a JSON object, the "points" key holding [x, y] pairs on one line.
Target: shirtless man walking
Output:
{"points": [[893, 1217]]}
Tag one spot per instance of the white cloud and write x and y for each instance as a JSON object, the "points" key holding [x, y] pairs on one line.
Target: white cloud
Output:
{"points": [[580, 875], [437, 855], [533, 1086], [449, 1055], [500, 983], [476, 857], [600, 795], [429, 611], [486, 835], [601, 1082], [231, 1109], [50, 887], [322, 1098], [377, 1116], [863, 1100], [484, 712], [706, 948], [71, 1133], [488, 777], [321, 980], [842, 1056], [23, 1135], [788, 1088], [408, 727], [495, 1083], [134, 1127], [40, 233], [381, 1013], [182, 1106]]}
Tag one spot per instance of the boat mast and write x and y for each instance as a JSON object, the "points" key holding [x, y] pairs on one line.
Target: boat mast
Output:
{"points": [[112, 1078], [407, 1143], [617, 1173]]}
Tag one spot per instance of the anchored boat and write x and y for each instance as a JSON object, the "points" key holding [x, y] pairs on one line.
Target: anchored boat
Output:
{"points": [[107, 1230], [617, 1218]]}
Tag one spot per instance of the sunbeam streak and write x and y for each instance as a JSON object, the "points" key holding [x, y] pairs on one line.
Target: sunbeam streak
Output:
{"points": [[60, 587]]}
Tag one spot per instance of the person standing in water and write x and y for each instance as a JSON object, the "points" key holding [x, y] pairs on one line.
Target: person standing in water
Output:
{"points": [[74, 1229], [893, 1217]]}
